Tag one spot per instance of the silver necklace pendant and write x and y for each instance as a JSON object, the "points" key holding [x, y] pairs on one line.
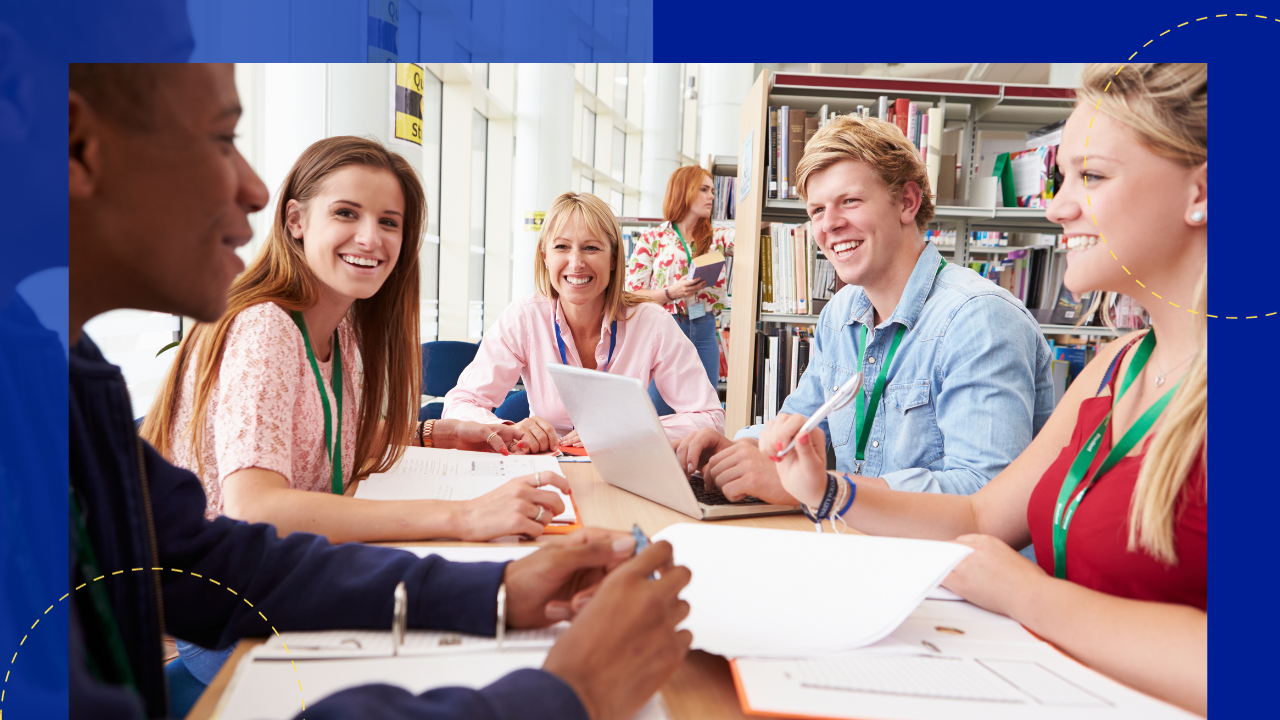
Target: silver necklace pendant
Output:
{"points": [[1159, 380]]}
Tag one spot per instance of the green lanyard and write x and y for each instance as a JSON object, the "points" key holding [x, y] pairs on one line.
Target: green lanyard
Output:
{"points": [[335, 454], [864, 427], [1066, 507], [87, 565], [688, 253]]}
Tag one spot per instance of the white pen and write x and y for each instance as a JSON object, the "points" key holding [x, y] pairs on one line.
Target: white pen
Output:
{"points": [[842, 397]]}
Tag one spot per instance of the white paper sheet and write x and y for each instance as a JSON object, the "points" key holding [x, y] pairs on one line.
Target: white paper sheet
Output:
{"points": [[782, 593], [442, 462], [435, 474], [977, 666], [390, 486], [275, 689]]}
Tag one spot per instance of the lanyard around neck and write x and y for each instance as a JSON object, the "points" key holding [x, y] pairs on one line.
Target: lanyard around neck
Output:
{"points": [[1066, 506], [613, 342], [100, 604], [864, 424], [684, 245], [334, 449]]}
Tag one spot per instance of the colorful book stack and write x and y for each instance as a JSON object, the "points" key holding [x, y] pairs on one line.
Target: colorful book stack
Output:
{"points": [[793, 273]]}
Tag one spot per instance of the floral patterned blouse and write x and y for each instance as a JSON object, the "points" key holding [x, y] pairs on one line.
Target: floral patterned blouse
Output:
{"points": [[659, 259]]}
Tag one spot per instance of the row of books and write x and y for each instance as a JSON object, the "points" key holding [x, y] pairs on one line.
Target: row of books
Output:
{"points": [[782, 354], [790, 129], [793, 274], [1030, 274], [726, 200]]}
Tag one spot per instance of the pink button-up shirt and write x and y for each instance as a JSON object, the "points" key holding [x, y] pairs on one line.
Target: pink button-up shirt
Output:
{"points": [[520, 344]]}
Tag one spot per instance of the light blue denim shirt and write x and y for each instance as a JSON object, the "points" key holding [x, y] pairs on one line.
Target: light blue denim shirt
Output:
{"points": [[968, 389]]}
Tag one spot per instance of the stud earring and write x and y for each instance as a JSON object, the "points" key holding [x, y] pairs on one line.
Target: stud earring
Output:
{"points": [[1197, 217]]}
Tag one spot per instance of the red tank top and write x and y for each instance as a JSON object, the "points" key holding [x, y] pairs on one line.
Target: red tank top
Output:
{"points": [[1097, 554]]}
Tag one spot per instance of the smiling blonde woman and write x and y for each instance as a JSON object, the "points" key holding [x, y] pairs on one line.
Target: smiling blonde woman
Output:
{"points": [[578, 271]]}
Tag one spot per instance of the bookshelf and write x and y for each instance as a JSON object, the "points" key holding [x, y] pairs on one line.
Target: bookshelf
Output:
{"points": [[967, 107]]}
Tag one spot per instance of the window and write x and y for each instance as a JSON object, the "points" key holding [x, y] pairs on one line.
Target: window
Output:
{"points": [[588, 138], [479, 162], [617, 170], [620, 89], [429, 255], [615, 202], [481, 74], [590, 76]]}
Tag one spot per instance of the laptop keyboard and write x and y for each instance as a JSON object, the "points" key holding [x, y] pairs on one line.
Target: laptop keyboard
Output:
{"points": [[712, 495]]}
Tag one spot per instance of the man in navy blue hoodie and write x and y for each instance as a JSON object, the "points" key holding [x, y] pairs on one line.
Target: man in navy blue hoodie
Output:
{"points": [[159, 200]]}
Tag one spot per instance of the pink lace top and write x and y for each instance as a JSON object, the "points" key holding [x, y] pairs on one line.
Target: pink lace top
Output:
{"points": [[265, 411]]}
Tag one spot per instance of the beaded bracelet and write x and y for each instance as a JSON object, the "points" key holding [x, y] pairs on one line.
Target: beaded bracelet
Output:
{"points": [[824, 508]]}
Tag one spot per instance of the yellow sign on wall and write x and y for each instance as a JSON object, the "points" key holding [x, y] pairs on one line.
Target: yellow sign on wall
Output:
{"points": [[409, 80], [533, 221]]}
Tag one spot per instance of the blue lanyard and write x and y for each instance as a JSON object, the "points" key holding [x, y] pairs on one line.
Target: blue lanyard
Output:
{"points": [[613, 341]]}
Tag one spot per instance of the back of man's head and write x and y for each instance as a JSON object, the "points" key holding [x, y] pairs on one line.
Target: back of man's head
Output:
{"points": [[881, 145]]}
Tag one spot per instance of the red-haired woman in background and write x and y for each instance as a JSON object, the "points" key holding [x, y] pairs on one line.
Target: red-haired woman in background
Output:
{"points": [[661, 266]]}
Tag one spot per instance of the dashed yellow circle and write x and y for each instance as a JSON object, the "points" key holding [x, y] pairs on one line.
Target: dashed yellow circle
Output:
{"points": [[14, 659], [1193, 311]]}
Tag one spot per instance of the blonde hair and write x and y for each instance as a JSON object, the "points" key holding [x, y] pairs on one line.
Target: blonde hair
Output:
{"points": [[603, 225], [880, 145], [385, 325], [682, 192], [1167, 107]]}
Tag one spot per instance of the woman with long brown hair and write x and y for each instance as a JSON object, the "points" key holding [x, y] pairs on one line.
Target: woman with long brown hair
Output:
{"points": [[661, 267], [1113, 492], [583, 317], [311, 378]]}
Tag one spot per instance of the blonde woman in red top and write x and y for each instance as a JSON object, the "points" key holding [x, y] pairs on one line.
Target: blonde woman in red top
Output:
{"points": [[661, 267], [1113, 491]]}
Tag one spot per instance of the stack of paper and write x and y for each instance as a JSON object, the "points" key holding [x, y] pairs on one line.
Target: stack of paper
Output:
{"points": [[782, 593], [949, 659], [436, 474]]}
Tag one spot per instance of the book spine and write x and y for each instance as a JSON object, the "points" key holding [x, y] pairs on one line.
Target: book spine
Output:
{"points": [[773, 152], [882, 108], [933, 145], [913, 125], [795, 138], [784, 177], [900, 107]]}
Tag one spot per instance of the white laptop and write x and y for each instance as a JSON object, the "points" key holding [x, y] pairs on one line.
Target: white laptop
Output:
{"points": [[628, 447]]}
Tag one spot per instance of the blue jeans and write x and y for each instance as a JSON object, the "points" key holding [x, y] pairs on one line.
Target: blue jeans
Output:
{"points": [[702, 333], [202, 662]]}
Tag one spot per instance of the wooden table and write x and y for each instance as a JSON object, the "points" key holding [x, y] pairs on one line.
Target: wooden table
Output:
{"points": [[701, 688]]}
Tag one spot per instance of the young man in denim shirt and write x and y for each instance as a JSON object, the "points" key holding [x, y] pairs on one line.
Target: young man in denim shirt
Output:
{"points": [[969, 384]]}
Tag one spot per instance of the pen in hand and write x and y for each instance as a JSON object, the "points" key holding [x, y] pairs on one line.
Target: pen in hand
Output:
{"points": [[642, 542], [843, 396]]}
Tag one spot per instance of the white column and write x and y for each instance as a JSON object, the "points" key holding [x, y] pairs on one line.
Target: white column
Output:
{"points": [[721, 89], [544, 156], [1065, 74], [659, 151]]}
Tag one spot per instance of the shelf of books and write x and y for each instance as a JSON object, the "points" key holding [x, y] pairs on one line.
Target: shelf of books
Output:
{"points": [[990, 150]]}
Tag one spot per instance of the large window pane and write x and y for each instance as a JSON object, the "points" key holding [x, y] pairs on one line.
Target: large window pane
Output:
{"points": [[429, 257], [588, 152], [590, 74], [479, 152], [620, 89], [618, 168]]}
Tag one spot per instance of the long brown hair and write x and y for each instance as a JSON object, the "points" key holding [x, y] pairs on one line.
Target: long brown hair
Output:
{"points": [[1167, 107], [385, 325], [682, 191], [603, 224]]}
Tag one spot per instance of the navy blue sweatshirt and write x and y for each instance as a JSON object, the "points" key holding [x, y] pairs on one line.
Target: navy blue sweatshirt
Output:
{"points": [[142, 512]]}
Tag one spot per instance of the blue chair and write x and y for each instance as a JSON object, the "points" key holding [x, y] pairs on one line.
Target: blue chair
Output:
{"points": [[184, 688], [515, 408], [442, 363]]}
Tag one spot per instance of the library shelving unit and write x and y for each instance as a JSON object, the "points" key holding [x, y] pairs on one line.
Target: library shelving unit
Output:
{"points": [[968, 107]]}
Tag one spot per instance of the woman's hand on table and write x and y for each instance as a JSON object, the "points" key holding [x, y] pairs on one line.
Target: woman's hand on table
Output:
{"points": [[515, 508], [539, 436], [467, 435], [572, 439], [994, 577]]}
